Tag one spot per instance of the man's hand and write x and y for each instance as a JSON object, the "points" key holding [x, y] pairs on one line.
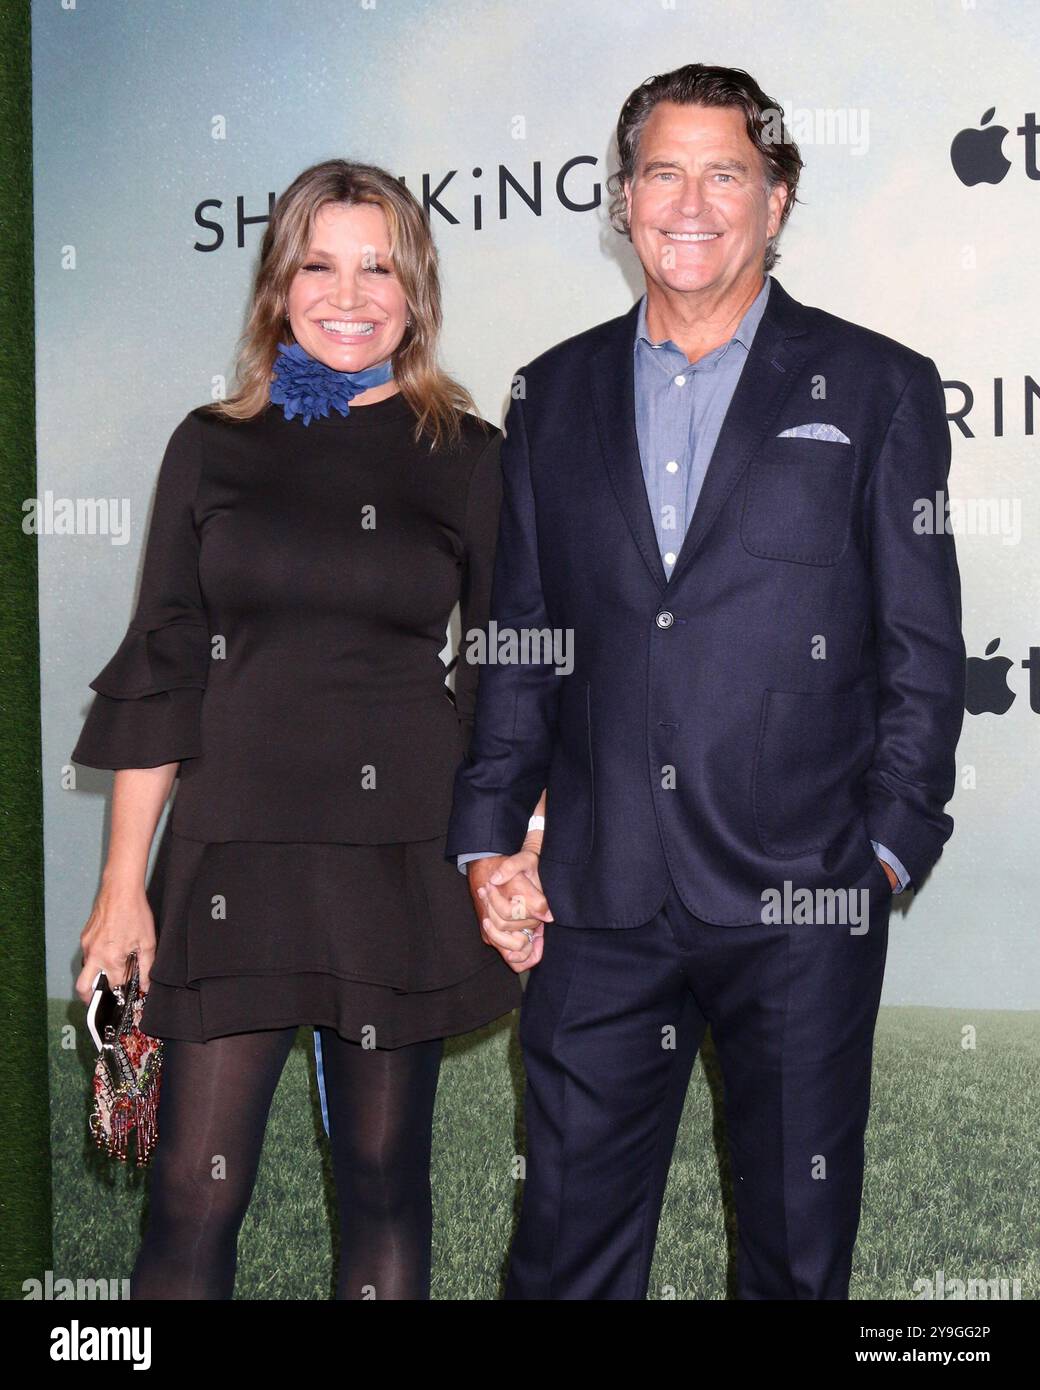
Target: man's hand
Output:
{"points": [[890, 873], [507, 897]]}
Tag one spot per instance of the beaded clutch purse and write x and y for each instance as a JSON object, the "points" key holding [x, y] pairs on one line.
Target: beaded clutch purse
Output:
{"points": [[128, 1070]]}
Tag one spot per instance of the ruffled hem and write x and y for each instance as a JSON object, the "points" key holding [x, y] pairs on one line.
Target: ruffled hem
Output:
{"points": [[170, 656], [358, 1012], [148, 707], [394, 916], [146, 732]]}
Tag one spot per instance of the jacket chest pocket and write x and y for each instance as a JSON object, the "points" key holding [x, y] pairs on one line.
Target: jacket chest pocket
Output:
{"points": [[798, 503]]}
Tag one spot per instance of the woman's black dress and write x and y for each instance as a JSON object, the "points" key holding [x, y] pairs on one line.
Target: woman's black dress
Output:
{"points": [[297, 585]]}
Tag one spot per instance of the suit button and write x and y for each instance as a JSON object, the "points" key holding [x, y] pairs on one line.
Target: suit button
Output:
{"points": [[665, 619]]}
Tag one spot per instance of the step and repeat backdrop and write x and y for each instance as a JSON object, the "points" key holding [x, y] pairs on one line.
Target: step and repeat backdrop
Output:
{"points": [[164, 130]]}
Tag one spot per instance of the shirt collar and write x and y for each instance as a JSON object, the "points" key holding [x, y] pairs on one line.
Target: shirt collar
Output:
{"points": [[745, 331]]}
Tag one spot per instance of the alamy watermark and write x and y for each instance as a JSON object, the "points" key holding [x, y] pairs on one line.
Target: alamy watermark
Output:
{"points": [[969, 516], [942, 1287], [525, 646], [55, 1286], [77, 516], [827, 907]]}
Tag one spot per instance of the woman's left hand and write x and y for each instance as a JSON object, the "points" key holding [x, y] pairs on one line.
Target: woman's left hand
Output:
{"points": [[513, 901]]}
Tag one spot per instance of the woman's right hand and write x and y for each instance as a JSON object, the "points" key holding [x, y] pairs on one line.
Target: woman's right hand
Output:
{"points": [[121, 922]]}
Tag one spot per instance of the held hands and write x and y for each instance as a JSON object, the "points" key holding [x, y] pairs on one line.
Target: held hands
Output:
{"points": [[120, 922], [507, 896]]}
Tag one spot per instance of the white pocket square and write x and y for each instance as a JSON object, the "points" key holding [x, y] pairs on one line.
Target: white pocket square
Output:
{"points": [[830, 432]]}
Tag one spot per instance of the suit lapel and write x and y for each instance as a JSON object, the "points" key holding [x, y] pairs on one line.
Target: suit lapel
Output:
{"points": [[778, 349], [613, 391]]}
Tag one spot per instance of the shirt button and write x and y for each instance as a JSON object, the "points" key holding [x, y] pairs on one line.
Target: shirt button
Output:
{"points": [[671, 466], [680, 381], [665, 619], [669, 559]]}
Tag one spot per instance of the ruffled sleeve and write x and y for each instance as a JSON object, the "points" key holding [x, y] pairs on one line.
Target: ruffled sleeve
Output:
{"points": [[483, 503], [148, 702]]}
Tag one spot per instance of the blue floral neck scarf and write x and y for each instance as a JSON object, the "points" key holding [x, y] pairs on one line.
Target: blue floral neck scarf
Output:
{"points": [[304, 386]]}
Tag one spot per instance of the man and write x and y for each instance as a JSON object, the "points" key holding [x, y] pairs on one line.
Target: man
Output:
{"points": [[715, 494]]}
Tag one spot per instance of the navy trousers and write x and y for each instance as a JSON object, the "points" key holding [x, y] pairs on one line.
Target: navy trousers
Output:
{"points": [[610, 1026]]}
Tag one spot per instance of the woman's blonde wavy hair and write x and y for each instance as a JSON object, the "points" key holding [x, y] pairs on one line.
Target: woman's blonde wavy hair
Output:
{"points": [[438, 401]]}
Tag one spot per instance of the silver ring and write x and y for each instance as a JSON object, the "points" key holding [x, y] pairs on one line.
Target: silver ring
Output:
{"points": [[528, 933]]}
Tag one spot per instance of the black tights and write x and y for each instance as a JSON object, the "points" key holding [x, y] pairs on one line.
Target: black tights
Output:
{"points": [[213, 1109]]}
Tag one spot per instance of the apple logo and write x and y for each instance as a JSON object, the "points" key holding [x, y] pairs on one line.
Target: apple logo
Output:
{"points": [[976, 155], [986, 685]]}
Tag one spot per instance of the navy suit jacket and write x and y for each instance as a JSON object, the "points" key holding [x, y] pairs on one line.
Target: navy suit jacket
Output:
{"points": [[794, 690]]}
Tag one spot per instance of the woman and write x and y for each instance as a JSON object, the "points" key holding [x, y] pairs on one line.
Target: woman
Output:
{"points": [[309, 540]]}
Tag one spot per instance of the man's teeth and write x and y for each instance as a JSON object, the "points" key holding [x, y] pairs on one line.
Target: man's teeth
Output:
{"points": [[693, 236], [346, 327]]}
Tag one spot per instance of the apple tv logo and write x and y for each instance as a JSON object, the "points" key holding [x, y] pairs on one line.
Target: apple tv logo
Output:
{"points": [[986, 685], [978, 155]]}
